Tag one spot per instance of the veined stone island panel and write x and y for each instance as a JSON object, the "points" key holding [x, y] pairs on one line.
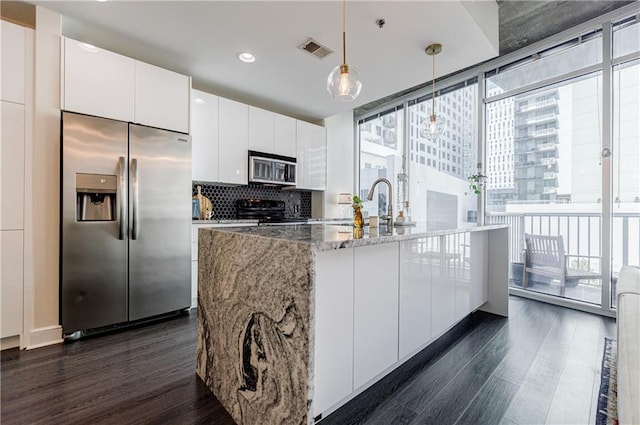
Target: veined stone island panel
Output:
{"points": [[254, 326]]}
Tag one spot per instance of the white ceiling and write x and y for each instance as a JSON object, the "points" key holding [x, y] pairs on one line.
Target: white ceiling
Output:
{"points": [[203, 39]]}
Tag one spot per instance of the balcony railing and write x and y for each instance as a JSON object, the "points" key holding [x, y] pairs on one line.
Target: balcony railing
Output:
{"points": [[581, 234], [547, 146], [537, 105], [545, 132]]}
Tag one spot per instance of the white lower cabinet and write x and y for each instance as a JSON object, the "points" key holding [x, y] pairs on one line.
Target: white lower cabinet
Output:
{"points": [[378, 305], [462, 275], [442, 287], [479, 263], [333, 359], [375, 327], [11, 282], [415, 295]]}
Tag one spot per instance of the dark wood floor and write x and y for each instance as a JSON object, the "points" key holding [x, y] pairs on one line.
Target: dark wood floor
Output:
{"points": [[542, 365]]}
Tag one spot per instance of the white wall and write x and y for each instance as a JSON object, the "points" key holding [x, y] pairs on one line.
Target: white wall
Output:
{"points": [[340, 162], [43, 190]]}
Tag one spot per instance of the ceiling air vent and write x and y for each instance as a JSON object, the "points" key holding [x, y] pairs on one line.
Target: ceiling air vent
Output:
{"points": [[316, 49]]}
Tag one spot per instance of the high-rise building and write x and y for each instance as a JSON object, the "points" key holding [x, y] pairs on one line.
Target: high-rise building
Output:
{"points": [[522, 148], [536, 146], [453, 153]]}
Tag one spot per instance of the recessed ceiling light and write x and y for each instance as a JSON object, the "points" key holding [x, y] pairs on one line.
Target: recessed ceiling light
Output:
{"points": [[102, 1], [246, 57], [199, 101]]}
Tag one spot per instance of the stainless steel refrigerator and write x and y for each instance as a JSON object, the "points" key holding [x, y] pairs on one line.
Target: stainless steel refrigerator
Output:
{"points": [[125, 222]]}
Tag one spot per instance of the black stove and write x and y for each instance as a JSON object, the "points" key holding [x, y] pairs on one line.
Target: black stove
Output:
{"points": [[265, 211]]}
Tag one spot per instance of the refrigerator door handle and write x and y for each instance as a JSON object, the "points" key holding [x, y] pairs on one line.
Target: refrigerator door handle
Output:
{"points": [[134, 197], [123, 197]]}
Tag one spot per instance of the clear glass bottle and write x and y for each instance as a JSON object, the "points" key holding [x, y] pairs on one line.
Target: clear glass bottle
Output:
{"points": [[407, 212]]}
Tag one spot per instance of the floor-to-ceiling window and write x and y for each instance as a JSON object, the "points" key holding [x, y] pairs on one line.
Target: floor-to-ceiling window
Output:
{"points": [[556, 133], [438, 169], [381, 155], [543, 132]]}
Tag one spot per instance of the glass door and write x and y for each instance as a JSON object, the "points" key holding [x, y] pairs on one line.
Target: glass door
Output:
{"points": [[625, 157]]}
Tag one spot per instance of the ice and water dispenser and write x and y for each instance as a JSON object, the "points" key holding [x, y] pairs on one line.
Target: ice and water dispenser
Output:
{"points": [[96, 197]]}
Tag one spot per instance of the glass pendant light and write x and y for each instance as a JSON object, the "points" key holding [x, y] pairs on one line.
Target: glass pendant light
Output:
{"points": [[434, 126], [344, 83]]}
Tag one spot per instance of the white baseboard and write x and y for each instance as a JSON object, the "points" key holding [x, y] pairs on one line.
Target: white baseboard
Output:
{"points": [[41, 337], [10, 342]]}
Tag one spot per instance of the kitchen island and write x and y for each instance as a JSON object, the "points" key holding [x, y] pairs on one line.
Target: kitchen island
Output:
{"points": [[294, 321]]}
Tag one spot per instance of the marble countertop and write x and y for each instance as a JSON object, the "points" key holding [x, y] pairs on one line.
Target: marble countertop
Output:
{"points": [[230, 221], [249, 221], [325, 237]]}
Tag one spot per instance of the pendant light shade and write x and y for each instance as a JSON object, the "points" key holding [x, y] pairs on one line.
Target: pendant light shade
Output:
{"points": [[434, 126], [344, 83]]}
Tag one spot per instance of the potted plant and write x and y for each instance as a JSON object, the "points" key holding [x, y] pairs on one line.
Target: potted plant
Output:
{"points": [[476, 183], [358, 221]]}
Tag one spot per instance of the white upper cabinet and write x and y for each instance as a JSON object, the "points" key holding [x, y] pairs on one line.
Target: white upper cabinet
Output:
{"points": [[161, 98], [311, 154], [233, 135], [105, 84], [260, 130], [204, 136], [98, 82], [303, 154], [318, 158], [13, 62], [284, 134]]}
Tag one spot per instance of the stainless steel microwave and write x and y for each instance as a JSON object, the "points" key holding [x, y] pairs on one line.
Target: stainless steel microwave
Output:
{"points": [[266, 168]]}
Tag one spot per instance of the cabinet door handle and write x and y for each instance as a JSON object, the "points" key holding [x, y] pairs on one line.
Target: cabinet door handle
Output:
{"points": [[122, 189]]}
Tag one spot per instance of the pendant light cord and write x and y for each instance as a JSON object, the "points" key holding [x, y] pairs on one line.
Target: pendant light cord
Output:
{"points": [[433, 84], [344, 32]]}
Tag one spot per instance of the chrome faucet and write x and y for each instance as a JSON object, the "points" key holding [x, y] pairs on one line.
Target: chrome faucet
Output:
{"points": [[389, 217]]}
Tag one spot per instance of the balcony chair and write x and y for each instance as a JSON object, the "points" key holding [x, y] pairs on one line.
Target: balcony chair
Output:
{"points": [[545, 256]]}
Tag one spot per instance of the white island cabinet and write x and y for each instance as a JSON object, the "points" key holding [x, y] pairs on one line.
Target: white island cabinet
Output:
{"points": [[317, 313], [415, 295], [375, 311], [333, 362]]}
